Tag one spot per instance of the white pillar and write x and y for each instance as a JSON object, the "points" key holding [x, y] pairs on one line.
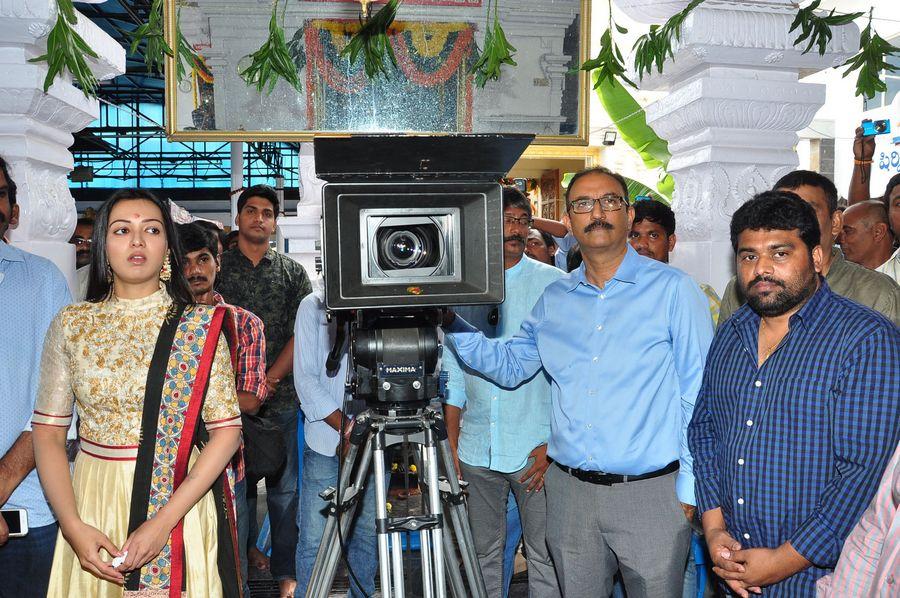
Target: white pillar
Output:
{"points": [[237, 178], [303, 231], [731, 117], [36, 127]]}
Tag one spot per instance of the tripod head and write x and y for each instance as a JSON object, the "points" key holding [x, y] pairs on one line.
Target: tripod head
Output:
{"points": [[394, 356]]}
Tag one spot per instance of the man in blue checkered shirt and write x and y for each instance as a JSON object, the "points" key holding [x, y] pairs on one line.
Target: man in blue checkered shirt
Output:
{"points": [[798, 413]]}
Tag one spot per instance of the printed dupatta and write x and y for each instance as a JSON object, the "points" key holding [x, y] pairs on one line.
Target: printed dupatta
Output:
{"points": [[171, 427]]}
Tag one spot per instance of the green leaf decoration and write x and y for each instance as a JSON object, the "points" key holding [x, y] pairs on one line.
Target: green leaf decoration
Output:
{"points": [[497, 51], [816, 29], [187, 54], [373, 42], [652, 48], [295, 48], [871, 61], [66, 51], [151, 35], [608, 65], [272, 61]]}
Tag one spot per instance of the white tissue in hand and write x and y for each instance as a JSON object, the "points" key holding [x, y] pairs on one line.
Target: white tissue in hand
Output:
{"points": [[117, 562]]}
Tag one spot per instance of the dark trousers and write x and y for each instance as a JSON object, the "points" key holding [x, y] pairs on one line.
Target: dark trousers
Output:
{"points": [[281, 499], [25, 563]]}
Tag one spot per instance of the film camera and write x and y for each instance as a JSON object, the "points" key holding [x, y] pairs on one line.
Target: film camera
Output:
{"points": [[411, 224]]}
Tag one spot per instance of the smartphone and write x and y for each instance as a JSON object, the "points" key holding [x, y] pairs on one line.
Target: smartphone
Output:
{"points": [[16, 520], [875, 127]]}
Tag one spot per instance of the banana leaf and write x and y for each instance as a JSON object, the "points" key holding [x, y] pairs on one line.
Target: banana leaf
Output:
{"points": [[631, 121]]}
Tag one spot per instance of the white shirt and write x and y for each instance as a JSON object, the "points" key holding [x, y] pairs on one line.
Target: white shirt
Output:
{"points": [[891, 267]]}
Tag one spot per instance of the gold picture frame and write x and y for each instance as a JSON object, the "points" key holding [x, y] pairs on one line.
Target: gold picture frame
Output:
{"points": [[175, 132]]}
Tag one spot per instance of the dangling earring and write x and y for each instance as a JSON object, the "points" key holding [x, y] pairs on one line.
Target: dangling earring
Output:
{"points": [[109, 274], [165, 273]]}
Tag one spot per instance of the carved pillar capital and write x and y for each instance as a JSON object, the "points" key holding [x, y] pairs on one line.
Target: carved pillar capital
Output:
{"points": [[731, 117], [36, 127]]}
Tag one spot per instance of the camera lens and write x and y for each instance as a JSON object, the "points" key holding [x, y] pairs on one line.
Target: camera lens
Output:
{"points": [[408, 246], [880, 126], [403, 248]]}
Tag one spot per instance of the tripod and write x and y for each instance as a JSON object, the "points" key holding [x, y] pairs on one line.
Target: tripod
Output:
{"points": [[373, 433]]}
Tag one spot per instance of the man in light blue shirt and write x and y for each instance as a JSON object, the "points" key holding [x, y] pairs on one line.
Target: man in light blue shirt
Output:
{"points": [[32, 291], [321, 399], [623, 339], [503, 442]]}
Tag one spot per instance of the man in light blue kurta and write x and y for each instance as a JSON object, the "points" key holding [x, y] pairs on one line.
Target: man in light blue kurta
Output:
{"points": [[32, 291], [624, 339], [502, 442]]}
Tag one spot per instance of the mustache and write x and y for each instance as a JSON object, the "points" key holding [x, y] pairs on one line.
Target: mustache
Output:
{"points": [[518, 238], [768, 279], [598, 224], [198, 279]]}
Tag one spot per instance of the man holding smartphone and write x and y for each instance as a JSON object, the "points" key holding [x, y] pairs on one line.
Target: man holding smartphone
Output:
{"points": [[32, 290]]}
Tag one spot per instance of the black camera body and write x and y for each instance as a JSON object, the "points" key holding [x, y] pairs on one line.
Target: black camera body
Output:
{"points": [[411, 224], [414, 221]]}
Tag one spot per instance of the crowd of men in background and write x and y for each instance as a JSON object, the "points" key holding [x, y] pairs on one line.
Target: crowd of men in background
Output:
{"points": [[616, 412]]}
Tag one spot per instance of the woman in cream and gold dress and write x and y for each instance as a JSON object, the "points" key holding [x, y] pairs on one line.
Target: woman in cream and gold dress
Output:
{"points": [[150, 376]]}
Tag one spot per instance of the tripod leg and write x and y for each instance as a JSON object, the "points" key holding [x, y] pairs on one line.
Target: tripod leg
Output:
{"points": [[460, 520], [425, 548], [328, 555], [347, 518], [451, 565], [381, 516], [434, 500]]}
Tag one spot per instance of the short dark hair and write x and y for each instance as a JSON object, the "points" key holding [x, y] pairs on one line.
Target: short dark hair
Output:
{"points": [[229, 237], [10, 184], [85, 221], [99, 285], [264, 191], [598, 170], [213, 228], [196, 237], [798, 178], [513, 198], [893, 182], [776, 210], [656, 212]]}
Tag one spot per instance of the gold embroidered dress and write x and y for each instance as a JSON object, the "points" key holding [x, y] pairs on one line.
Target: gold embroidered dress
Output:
{"points": [[96, 357]]}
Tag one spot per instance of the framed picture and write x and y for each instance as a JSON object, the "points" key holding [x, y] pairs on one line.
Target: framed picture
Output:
{"points": [[431, 89]]}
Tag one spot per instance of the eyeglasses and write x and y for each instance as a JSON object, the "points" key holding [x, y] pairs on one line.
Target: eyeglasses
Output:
{"points": [[608, 203], [77, 241], [523, 221]]}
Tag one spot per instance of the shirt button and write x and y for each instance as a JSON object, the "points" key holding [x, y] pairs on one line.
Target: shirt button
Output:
{"points": [[595, 359], [602, 296], [758, 383], [493, 424], [749, 422], [746, 536], [740, 501], [740, 461], [592, 392], [493, 398], [600, 327], [590, 458], [590, 426]]}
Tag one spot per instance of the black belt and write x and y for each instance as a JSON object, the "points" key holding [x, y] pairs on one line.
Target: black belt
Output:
{"points": [[608, 479]]}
